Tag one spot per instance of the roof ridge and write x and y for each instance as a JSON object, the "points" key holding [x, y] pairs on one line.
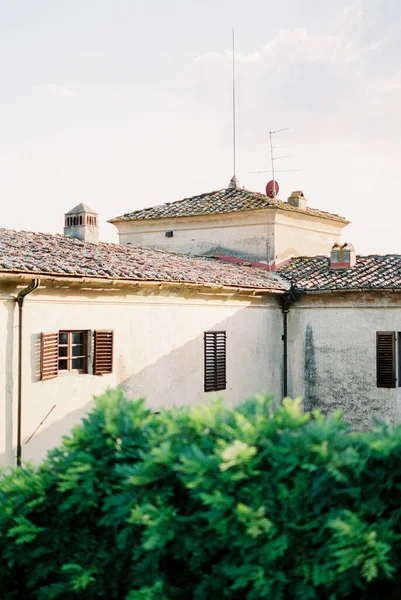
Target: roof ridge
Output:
{"points": [[221, 201], [187, 198], [305, 257]]}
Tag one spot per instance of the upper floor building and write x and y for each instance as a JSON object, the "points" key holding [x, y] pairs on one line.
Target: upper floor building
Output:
{"points": [[234, 222]]}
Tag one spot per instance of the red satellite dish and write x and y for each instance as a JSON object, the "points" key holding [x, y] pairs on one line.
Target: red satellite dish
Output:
{"points": [[272, 189]]}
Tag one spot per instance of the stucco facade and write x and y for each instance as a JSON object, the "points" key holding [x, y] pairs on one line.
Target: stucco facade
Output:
{"points": [[158, 351], [265, 235], [332, 354]]}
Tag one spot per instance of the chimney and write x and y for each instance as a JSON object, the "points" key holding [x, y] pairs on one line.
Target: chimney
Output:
{"points": [[342, 257], [81, 223], [297, 199]]}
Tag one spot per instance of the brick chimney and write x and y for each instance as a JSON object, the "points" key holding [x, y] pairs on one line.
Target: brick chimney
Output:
{"points": [[342, 257], [297, 199], [81, 223]]}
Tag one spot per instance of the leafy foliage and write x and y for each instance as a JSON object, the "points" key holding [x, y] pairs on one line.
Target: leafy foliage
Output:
{"points": [[206, 502]]}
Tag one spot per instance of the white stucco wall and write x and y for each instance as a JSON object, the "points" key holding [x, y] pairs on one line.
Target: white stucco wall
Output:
{"points": [[158, 353], [262, 235], [332, 355]]}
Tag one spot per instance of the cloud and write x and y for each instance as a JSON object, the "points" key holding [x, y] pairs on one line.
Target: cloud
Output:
{"points": [[337, 81], [208, 56], [54, 89]]}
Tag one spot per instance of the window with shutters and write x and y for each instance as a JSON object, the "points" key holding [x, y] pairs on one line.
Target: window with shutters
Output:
{"points": [[215, 361], [68, 352], [385, 359], [73, 351]]}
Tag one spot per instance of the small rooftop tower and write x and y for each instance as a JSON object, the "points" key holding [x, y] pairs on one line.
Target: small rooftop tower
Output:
{"points": [[81, 223]]}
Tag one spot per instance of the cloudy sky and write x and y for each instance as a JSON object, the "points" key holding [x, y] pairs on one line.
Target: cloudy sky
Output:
{"points": [[122, 104]]}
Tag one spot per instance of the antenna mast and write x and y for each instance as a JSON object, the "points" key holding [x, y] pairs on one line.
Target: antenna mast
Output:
{"points": [[234, 115], [272, 158]]}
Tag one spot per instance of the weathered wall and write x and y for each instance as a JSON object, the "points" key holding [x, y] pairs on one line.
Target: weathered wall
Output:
{"points": [[86, 233], [332, 354], [299, 235], [262, 235], [158, 353], [247, 234]]}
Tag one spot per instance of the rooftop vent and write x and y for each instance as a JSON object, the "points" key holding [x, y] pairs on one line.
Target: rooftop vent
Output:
{"points": [[297, 199], [234, 184], [342, 256]]}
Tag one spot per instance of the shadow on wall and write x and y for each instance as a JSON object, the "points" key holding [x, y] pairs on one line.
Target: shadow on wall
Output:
{"points": [[173, 379], [178, 377], [51, 436]]}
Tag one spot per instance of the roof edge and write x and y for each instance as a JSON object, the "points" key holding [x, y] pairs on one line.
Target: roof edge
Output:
{"points": [[111, 281], [324, 215]]}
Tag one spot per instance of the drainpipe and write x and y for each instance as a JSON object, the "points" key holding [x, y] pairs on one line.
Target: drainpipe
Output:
{"points": [[20, 300], [286, 301]]}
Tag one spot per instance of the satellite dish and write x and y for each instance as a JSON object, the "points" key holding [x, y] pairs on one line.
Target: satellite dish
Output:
{"points": [[272, 189]]}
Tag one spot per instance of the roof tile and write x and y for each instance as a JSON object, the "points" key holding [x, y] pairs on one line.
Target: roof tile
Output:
{"points": [[22, 251], [373, 272]]}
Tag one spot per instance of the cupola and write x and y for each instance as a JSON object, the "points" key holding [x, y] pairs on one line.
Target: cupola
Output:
{"points": [[81, 223]]}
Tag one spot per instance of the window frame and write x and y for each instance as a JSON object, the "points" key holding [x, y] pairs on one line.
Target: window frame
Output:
{"points": [[69, 358]]}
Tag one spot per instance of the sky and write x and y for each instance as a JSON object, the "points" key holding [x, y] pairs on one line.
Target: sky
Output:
{"points": [[123, 104]]}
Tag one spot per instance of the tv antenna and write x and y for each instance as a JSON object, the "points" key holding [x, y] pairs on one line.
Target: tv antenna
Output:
{"points": [[272, 187]]}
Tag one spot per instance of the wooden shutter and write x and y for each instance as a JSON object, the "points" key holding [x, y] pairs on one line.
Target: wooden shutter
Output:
{"points": [[385, 359], [48, 356], [215, 361], [103, 352]]}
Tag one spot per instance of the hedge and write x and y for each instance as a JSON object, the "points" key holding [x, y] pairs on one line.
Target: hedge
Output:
{"points": [[206, 502]]}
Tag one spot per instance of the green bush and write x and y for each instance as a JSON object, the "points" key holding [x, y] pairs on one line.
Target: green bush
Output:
{"points": [[206, 502]]}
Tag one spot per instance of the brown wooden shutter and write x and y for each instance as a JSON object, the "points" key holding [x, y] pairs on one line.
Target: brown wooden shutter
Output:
{"points": [[48, 356], [215, 360], [103, 354], [385, 359]]}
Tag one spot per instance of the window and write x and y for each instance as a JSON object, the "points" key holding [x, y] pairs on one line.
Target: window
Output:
{"points": [[73, 351], [69, 352], [215, 360], [385, 359]]}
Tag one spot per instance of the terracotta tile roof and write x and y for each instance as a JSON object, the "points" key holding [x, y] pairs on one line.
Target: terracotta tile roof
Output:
{"points": [[369, 273], [46, 254], [220, 201]]}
